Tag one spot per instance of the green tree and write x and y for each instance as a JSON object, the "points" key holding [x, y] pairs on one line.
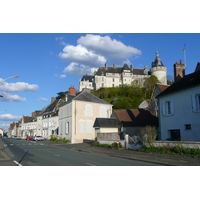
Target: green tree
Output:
{"points": [[149, 85]]}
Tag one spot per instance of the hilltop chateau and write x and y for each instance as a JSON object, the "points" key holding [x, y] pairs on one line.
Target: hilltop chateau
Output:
{"points": [[113, 76]]}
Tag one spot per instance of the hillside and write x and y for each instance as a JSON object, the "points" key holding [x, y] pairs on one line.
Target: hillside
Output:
{"points": [[127, 97]]}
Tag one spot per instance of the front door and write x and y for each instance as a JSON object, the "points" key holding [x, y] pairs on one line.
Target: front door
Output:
{"points": [[175, 134]]}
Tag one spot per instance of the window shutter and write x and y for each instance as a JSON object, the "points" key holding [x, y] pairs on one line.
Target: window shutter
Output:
{"points": [[194, 106], [172, 107], [163, 109]]}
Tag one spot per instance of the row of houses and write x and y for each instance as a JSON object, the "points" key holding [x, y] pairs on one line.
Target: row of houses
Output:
{"points": [[82, 116], [174, 109]]}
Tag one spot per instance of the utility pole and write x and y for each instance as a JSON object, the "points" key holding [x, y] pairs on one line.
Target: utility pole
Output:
{"points": [[184, 51]]}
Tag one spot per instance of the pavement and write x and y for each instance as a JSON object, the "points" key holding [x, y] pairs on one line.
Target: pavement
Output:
{"points": [[157, 158]]}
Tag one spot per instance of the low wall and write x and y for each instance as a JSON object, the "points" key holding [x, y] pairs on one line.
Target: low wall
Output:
{"points": [[111, 141], [108, 136], [184, 144]]}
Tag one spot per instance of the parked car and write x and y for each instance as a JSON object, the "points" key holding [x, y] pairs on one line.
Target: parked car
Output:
{"points": [[37, 138], [29, 137], [17, 138]]}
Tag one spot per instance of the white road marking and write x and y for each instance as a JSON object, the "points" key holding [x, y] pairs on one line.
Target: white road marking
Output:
{"points": [[11, 144], [90, 164], [56, 155], [5, 145], [17, 163]]}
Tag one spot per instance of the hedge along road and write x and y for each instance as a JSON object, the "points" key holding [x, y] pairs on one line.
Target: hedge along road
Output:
{"points": [[31, 153]]}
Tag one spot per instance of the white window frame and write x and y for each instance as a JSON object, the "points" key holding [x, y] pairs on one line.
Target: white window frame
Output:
{"points": [[103, 112], [89, 126], [81, 126], [67, 128], [168, 108], [88, 110], [196, 103]]}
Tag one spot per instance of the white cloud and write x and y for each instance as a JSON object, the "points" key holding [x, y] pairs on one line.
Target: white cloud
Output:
{"points": [[81, 55], [78, 69], [42, 99], [105, 46], [18, 87], [63, 76], [9, 117], [93, 51], [5, 125], [11, 98]]}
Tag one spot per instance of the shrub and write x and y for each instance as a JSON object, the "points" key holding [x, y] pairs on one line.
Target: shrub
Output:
{"points": [[96, 143], [53, 138], [115, 145]]}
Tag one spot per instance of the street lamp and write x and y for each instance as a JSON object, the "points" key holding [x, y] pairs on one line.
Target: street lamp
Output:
{"points": [[7, 79]]}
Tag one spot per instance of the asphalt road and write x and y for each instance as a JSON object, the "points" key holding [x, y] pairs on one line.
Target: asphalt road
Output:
{"points": [[32, 153]]}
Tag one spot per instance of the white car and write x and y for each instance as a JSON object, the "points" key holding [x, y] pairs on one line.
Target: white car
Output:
{"points": [[37, 138]]}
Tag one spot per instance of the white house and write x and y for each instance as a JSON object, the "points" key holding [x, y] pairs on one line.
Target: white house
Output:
{"points": [[50, 119], [77, 115], [179, 109]]}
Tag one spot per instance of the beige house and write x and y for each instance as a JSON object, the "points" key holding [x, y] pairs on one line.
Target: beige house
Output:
{"points": [[77, 115]]}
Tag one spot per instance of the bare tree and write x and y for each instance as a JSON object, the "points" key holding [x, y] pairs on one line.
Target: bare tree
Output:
{"points": [[149, 135]]}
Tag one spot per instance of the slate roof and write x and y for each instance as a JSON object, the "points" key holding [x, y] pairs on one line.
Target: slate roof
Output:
{"points": [[87, 96], [51, 109], [136, 117], [87, 78], [157, 61], [106, 123], [118, 70], [188, 81]]}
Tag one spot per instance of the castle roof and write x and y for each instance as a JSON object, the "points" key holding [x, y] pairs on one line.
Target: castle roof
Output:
{"points": [[118, 70], [87, 78], [157, 62]]}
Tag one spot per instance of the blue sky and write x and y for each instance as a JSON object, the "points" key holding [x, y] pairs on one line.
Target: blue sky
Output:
{"points": [[48, 63]]}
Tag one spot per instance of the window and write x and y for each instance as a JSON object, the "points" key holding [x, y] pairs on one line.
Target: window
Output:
{"points": [[67, 128], [88, 110], [113, 80], [103, 112], [187, 126], [196, 103], [81, 126], [89, 127], [167, 108]]}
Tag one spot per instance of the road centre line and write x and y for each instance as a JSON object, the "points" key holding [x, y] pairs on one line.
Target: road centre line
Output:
{"points": [[17, 163], [90, 164]]}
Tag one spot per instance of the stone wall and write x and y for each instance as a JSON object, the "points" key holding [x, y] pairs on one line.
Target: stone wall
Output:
{"points": [[189, 144], [111, 141], [108, 136]]}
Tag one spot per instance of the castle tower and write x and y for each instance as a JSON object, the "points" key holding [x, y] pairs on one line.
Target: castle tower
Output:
{"points": [[159, 70], [179, 71]]}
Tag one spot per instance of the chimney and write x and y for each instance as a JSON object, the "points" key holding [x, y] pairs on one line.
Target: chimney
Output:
{"points": [[179, 71], [72, 90], [52, 99], [33, 114], [106, 66]]}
